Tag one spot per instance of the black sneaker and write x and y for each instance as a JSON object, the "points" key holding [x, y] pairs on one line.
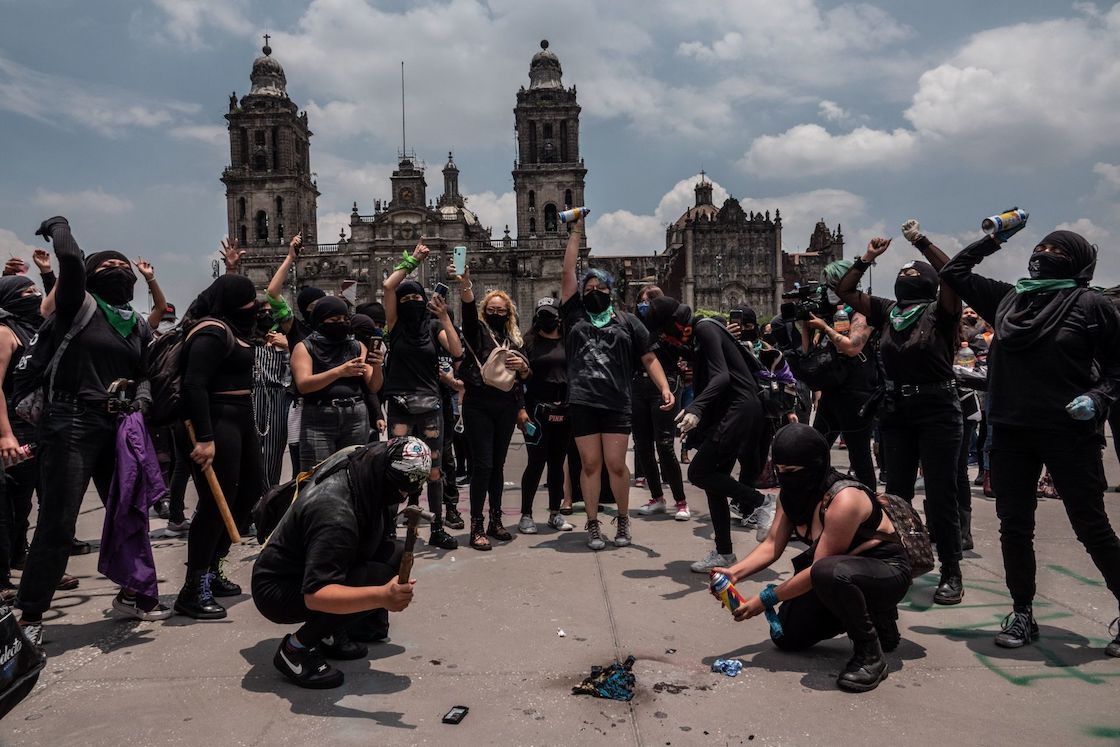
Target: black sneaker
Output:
{"points": [[162, 508], [1113, 649], [441, 539], [452, 518], [339, 646], [1019, 629], [306, 667], [78, 547]]}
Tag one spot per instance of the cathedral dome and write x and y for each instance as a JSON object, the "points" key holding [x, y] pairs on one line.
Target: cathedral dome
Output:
{"points": [[268, 75], [697, 212], [544, 70]]}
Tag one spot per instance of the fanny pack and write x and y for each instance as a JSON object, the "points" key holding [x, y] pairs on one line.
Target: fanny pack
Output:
{"points": [[417, 404]]}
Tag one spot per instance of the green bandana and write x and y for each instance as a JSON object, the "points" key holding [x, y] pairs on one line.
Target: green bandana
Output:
{"points": [[1029, 285], [123, 318], [900, 320], [602, 319]]}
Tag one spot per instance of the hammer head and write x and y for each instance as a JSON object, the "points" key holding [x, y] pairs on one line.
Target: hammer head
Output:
{"points": [[413, 515]]}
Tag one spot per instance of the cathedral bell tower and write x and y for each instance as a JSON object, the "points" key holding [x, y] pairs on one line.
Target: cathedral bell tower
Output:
{"points": [[270, 195], [548, 176]]}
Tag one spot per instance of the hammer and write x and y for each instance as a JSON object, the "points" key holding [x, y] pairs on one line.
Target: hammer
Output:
{"points": [[412, 516]]}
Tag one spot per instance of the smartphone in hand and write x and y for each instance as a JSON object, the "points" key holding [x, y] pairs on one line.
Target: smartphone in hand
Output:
{"points": [[459, 260]]}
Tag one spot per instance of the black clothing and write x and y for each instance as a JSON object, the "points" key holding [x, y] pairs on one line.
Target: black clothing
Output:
{"points": [[489, 428], [721, 377], [923, 352], [482, 341], [1024, 319], [602, 361], [1031, 387], [327, 354], [412, 367], [212, 365], [549, 364], [654, 440], [546, 395], [588, 421]]}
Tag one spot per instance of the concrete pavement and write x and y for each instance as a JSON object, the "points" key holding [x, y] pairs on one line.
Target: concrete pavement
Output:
{"points": [[483, 632]]}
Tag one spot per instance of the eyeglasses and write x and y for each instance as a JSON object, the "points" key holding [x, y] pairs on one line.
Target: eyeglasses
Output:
{"points": [[497, 312]]}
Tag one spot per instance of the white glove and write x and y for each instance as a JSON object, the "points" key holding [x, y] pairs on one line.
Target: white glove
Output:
{"points": [[912, 231], [686, 421]]}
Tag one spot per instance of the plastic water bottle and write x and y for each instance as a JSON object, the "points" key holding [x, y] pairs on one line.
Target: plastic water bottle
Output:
{"points": [[842, 323], [966, 357]]}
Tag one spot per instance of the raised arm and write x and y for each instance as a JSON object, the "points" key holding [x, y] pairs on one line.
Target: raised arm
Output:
{"points": [[848, 288], [568, 280], [979, 292], [71, 288], [947, 299], [9, 444], [159, 301], [276, 284], [448, 337], [400, 272]]}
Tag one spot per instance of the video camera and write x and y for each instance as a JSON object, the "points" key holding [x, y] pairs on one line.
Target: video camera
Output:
{"points": [[805, 300]]}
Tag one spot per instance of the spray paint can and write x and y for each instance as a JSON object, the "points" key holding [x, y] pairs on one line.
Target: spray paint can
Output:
{"points": [[725, 591], [1004, 221], [568, 216]]}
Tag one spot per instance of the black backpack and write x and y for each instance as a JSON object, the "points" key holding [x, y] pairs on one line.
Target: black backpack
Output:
{"points": [[274, 503], [165, 369], [33, 380]]}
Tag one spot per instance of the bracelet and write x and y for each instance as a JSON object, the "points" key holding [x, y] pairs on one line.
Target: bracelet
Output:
{"points": [[860, 265], [768, 598], [408, 263]]}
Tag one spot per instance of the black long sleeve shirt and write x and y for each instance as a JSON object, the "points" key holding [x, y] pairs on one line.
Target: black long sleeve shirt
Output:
{"points": [[212, 366], [720, 376], [98, 355], [1031, 388]]}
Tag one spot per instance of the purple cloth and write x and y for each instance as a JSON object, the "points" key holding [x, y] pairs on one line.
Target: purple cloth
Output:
{"points": [[783, 374], [126, 550]]}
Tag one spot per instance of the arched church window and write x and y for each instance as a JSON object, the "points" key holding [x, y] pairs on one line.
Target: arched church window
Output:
{"points": [[258, 137], [532, 226], [568, 199], [532, 199], [550, 218], [260, 162], [243, 235], [244, 148], [548, 131], [262, 226], [532, 142], [241, 208], [564, 141], [279, 205]]}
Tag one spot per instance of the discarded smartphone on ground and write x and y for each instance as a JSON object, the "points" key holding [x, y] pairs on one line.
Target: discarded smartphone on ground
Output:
{"points": [[442, 290], [455, 715], [459, 259]]}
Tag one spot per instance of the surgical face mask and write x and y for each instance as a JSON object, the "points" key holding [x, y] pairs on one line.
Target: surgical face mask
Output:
{"points": [[496, 322], [643, 309]]}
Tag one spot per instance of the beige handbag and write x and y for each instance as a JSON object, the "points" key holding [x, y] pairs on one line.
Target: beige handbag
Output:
{"points": [[495, 372]]}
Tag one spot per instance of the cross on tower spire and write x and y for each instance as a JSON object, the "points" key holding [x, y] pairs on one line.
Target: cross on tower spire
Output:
{"points": [[267, 49]]}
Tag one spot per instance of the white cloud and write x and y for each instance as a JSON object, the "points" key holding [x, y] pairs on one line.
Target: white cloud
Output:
{"points": [[187, 22], [809, 149], [109, 112], [12, 246], [215, 135], [87, 202], [1093, 233], [1109, 174], [833, 112], [329, 224], [494, 211]]}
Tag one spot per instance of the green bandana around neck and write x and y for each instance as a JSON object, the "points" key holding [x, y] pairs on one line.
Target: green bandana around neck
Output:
{"points": [[603, 318], [900, 320], [123, 318], [1030, 285]]}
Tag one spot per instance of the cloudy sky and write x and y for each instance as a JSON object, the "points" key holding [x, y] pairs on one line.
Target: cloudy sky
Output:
{"points": [[863, 114]]}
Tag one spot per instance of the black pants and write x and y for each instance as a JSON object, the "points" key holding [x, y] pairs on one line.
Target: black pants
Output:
{"points": [[17, 485], [1114, 426], [428, 427], [180, 472], [964, 484], [847, 591], [237, 464], [838, 415], [654, 431], [76, 443], [449, 490], [1074, 460], [925, 429], [489, 429], [548, 450], [282, 603], [737, 437]]}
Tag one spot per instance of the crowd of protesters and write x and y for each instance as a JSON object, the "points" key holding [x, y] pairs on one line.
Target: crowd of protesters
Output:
{"points": [[425, 390]]}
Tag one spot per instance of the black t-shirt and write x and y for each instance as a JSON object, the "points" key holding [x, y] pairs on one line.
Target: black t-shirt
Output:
{"points": [[602, 361], [923, 352], [412, 368], [549, 364]]}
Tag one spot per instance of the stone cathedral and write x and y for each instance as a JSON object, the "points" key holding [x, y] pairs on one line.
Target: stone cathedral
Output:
{"points": [[714, 256]]}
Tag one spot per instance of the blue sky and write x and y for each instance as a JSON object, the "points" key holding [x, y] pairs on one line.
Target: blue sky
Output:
{"points": [[864, 114]]}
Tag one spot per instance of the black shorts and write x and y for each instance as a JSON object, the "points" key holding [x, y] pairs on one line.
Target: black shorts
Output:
{"points": [[587, 420]]}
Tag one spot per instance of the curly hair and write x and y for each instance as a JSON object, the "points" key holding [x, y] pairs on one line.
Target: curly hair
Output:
{"points": [[513, 329]]}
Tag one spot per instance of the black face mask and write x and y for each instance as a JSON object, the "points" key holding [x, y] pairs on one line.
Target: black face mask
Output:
{"points": [[1049, 266], [26, 308], [335, 331], [242, 321], [412, 313], [548, 322], [264, 323], [496, 322], [750, 335], [596, 301], [800, 492], [114, 285], [909, 290]]}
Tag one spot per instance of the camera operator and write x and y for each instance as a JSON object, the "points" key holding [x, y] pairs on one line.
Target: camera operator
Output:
{"points": [[921, 414]]}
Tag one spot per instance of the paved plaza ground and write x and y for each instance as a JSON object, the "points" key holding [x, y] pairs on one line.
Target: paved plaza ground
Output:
{"points": [[484, 632]]}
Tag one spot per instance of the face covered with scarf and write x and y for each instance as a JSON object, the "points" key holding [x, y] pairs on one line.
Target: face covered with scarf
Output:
{"points": [[671, 320], [803, 449], [749, 326], [109, 276], [19, 305], [331, 318], [597, 296], [916, 283], [233, 299], [1063, 255], [412, 310]]}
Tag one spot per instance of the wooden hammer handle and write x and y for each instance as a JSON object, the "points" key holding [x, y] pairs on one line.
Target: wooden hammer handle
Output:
{"points": [[406, 567], [216, 491]]}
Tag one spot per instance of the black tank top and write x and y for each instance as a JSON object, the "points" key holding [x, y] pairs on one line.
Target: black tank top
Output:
{"points": [[326, 355]]}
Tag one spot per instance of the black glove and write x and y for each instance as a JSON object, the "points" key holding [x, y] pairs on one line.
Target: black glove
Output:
{"points": [[46, 226]]}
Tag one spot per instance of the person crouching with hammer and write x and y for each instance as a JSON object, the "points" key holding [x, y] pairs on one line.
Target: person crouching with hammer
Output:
{"points": [[330, 561]]}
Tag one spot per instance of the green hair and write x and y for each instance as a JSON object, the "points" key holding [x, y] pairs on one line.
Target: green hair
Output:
{"points": [[833, 271]]}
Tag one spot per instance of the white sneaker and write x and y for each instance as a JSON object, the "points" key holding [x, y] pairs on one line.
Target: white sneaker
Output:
{"points": [[761, 518], [559, 523], [654, 506], [127, 606], [682, 514], [622, 535], [527, 525], [594, 535], [713, 560], [33, 631]]}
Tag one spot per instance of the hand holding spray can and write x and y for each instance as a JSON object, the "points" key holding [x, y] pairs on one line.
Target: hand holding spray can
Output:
{"points": [[568, 216], [1004, 221], [725, 592]]}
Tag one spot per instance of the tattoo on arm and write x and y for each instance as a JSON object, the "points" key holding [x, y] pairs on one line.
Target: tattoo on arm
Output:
{"points": [[859, 331]]}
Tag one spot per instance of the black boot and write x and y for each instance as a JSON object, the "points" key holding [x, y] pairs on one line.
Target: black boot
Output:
{"points": [[220, 585], [452, 518], [495, 528], [950, 590], [865, 670], [966, 531], [440, 538], [196, 600], [886, 625]]}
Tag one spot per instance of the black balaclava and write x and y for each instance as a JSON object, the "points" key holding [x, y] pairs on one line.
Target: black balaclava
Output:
{"points": [[113, 285], [413, 316], [375, 310], [1079, 262], [305, 298], [801, 445], [749, 317], [265, 322], [325, 308], [363, 328], [224, 300], [19, 311], [671, 319], [921, 289]]}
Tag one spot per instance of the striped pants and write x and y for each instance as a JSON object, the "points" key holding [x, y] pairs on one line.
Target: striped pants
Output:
{"points": [[270, 412]]}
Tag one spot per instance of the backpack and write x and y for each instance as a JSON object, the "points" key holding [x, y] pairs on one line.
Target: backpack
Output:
{"points": [[908, 527], [823, 368], [33, 381], [165, 370], [494, 371], [274, 503]]}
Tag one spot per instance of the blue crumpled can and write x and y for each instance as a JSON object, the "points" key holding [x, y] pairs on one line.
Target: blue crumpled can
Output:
{"points": [[729, 667]]}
